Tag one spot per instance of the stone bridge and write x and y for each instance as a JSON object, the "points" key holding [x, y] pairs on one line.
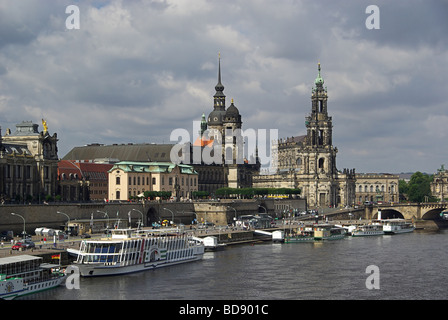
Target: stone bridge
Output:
{"points": [[416, 211]]}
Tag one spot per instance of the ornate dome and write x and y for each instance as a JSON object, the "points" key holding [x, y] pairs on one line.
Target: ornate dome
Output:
{"points": [[232, 110], [232, 114], [216, 117]]}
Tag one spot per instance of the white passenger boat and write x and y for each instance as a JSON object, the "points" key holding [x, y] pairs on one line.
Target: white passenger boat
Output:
{"points": [[373, 229], [130, 250], [26, 274], [395, 226]]}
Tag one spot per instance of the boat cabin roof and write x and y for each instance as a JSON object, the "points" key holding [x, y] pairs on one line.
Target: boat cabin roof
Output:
{"points": [[135, 233], [20, 258]]}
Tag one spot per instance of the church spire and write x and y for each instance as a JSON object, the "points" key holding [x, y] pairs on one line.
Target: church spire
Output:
{"points": [[219, 87], [220, 98]]}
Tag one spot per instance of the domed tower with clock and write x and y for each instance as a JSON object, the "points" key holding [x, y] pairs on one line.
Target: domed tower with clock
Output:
{"points": [[223, 123], [223, 129]]}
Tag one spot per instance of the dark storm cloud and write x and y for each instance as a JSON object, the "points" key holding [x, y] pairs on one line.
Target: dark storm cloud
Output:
{"points": [[136, 70]]}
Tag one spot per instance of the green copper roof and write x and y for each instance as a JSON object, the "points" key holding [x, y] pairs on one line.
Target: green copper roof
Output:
{"points": [[154, 167], [319, 80]]}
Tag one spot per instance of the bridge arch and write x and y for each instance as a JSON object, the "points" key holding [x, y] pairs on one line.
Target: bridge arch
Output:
{"points": [[151, 216], [390, 214], [432, 214]]}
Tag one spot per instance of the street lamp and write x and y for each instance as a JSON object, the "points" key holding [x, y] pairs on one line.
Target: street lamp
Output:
{"points": [[15, 214], [141, 214], [106, 215], [172, 215], [233, 210], [68, 223]]}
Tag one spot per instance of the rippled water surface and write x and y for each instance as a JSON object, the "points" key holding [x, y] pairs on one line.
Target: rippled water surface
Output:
{"points": [[411, 266]]}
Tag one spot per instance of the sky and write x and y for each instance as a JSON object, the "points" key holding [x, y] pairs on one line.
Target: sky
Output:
{"points": [[135, 70]]}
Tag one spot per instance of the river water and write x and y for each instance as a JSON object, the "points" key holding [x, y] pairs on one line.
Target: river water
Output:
{"points": [[409, 266]]}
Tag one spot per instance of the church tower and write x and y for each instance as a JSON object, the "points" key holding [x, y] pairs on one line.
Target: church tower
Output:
{"points": [[319, 136], [308, 162]]}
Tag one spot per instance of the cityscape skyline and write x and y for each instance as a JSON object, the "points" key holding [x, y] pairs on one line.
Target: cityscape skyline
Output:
{"points": [[135, 71]]}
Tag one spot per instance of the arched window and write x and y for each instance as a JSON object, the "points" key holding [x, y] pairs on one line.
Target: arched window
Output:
{"points": [[117, 180], [321, 163]]}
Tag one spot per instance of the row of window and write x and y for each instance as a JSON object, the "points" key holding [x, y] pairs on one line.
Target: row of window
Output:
{"points": [[23, 171], [137, 181], [289, 163], [372, 199], [376, 188]]}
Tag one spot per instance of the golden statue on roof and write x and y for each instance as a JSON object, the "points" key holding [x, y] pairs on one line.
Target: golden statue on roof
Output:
{"points": [[44, 124]]}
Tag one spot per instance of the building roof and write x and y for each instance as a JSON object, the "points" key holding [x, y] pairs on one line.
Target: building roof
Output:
{"points": [[123, 152], [294, 140], [203, 142], [16, 149], [84, 170]]}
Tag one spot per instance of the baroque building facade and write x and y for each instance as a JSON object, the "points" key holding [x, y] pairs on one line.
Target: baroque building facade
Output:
{"points": [[377, 187], [439, 184], [131, 179], [308, 162], [83, 181], [28, 164]]}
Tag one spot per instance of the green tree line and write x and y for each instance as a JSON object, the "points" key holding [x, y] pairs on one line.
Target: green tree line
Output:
{"points": [[154, 194]]}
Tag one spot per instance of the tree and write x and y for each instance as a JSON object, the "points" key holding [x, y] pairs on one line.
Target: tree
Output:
{"points": [[404, 188], [200, 194], [418, 188]]}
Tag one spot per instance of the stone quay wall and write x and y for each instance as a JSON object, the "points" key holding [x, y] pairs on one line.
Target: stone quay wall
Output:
{"points": [[217, 212]]}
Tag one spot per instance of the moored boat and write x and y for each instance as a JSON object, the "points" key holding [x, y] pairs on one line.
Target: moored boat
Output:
{"points": [[373, 229], [396, 226], [328, 232], [301, 235], [26, 274], [129, 250]]}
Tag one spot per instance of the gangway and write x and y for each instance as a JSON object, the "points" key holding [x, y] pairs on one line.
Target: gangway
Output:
{"points": [[210, 243], [277, 236]]}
